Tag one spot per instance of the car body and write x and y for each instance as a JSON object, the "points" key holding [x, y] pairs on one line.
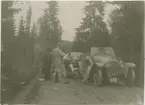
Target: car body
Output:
{"points": [[107, 67]]}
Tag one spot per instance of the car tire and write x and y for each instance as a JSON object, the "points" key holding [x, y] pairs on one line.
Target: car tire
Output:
{"points": [[97, 77], [130, 79]]}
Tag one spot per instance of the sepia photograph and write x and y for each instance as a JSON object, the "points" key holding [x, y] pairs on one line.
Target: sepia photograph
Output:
{"points": [[72, 52]]}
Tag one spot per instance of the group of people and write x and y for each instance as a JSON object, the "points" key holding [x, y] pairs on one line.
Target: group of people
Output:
{"points": [[53, 64]]}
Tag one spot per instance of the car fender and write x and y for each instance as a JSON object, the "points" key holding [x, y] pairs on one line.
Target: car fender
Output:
{"points": [[127, 66], [100, 65]]}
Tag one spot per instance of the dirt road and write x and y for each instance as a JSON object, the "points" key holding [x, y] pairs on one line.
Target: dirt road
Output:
{"points": [[76, 93]]}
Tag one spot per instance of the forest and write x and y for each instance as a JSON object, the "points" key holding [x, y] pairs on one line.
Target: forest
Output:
{"points": [[21, 51]]}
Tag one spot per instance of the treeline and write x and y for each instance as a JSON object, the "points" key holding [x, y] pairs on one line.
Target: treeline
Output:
{"points": [[18, 51], [22, 50], [126, 34]]}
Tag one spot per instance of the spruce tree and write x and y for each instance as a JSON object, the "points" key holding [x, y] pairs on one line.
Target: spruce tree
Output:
{"points": [[21, 38], [33, 37], [55, 26], [92, 30], [50, 29], [34, 31], [21, 30], [28, 21]]}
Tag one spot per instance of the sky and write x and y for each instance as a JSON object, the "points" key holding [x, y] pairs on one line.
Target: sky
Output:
{"points": [[70, 14]]}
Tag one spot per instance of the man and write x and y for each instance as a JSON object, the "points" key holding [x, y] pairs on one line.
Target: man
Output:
{"points": [[69, 64], [47, 62], [85, 64], [58, 64], [67, 60]]}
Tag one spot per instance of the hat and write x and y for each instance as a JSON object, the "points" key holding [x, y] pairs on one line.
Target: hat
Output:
{"points": [[59, 44]]}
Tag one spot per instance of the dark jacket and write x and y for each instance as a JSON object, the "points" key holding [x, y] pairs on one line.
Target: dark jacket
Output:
{"points": [[46, 62]]}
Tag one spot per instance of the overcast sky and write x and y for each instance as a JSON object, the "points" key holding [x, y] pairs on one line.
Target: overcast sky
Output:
{"points": [[70, 14]]}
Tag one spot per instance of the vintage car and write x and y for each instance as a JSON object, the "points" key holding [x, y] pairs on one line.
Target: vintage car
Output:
{"points": [[107, 68]]}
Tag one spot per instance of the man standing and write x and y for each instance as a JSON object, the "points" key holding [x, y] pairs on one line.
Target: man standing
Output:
{"points": [[58, 64], [47, 62]]}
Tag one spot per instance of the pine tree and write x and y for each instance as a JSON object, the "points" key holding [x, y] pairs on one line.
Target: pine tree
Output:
{"points": [[44, 30], [30, 39], [33, 37], [56, 30], [34, 31], [21, 31], [7, 23], [50, 30], [21, 38], [28, 21], [93, 31], [8, 31]]}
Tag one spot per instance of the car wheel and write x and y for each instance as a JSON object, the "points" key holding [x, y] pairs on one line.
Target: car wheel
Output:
{"points": [[97, 77], [130, 79]]}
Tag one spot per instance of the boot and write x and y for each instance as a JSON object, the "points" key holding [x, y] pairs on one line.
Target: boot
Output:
{"points": [[56, 79]]}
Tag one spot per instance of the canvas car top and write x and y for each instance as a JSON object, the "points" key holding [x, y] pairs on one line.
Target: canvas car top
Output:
{"points": [[102, 51]]}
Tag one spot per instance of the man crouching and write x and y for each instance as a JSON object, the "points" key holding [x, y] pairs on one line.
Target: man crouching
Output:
{"points": [[85, 65], [69, 65]]}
